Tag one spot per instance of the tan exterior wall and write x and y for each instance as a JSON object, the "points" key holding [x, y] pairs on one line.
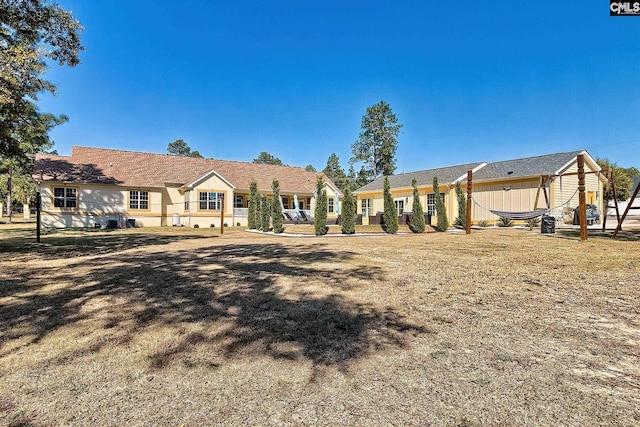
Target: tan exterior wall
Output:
{"points": [[513, 196], [97, 204], [565, 189], [406, 196]]}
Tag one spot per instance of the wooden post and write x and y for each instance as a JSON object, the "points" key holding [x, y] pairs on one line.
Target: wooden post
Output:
{"points": [[626, 211], [469, 192], [222, 215], [535, 204], [610, 192], [582, 198], [38, 203], [605, 200], [615, 195]]}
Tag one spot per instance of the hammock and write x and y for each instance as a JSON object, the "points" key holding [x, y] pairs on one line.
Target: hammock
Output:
{"points": [[519, 215]]}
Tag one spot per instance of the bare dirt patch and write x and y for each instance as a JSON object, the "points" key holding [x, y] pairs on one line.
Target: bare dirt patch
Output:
{"points": [[170, 327]]}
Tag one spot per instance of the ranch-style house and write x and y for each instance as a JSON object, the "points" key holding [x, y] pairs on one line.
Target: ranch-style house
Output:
{"points": [[95, 186], [509, 186]]}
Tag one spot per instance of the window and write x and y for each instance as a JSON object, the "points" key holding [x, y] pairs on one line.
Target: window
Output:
{"points": [[431, 203], [186, 201], [301, 203], [330, 204], [210, 201], [138, 199], [399, 206], [366, 207], [238, 201], [285, 202], [64, 197]]}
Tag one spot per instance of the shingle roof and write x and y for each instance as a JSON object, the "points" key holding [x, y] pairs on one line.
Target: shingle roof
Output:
{"points": [[130, 168], [548, 164], [445, 175]]}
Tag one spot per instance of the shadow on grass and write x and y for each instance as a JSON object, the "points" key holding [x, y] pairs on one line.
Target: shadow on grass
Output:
{"points": [[623, 235], [244, 300], [85, 242]]}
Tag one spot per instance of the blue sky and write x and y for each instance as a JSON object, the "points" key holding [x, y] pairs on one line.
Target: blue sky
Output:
{"points": [[470, 81]]}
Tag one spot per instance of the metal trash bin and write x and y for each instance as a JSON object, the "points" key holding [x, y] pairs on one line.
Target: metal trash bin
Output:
{"points": [[548, 224]]}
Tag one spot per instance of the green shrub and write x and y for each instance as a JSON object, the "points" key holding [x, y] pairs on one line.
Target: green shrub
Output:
{"points": [[226, 225], [461, 219], [348, 216], [483, 223], [237, 224], [505, 222], [254, 206], [443, 221], [320, 212], [196, 226], [534, 222], [390, 211], [265, 212], [276, 208], [212, 226], [417, 217]]}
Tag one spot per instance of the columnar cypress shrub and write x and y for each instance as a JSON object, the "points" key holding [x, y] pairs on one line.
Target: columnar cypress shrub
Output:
{"points": [[320, 212], [265, 211], [461, 220], [417, 219], [348, 216], [390, 212], [254, 206], [276, 208], [443, 221]]}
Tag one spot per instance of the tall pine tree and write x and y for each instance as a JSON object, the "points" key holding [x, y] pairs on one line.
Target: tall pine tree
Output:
{"points": [[417, 217], [377, 143], [390, 211]]}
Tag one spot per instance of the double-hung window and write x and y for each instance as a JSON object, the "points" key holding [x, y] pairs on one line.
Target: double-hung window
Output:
{"points": [[138, 200], [330, 204], [210, 201], [65, 197], [238, 201]]}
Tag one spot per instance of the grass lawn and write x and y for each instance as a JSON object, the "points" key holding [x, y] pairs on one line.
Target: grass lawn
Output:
{"points": [[186, 327]]}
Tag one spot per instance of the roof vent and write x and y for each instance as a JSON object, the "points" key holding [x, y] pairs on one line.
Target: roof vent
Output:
{"points": [[509, 173]]}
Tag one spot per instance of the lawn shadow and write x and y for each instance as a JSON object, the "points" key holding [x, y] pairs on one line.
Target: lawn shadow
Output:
{"points": [[86, 242], [241, 297], [632, 235]]}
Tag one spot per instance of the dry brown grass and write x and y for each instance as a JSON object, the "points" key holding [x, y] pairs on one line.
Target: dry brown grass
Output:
{"points": [[170, 327]]}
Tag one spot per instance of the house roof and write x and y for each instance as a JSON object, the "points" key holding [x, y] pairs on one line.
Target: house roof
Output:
{"points": [[549, 164], [445, 175], [131, 168]]}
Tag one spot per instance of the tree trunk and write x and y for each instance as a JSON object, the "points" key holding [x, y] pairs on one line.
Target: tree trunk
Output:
{"points": [[9, 196]]}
